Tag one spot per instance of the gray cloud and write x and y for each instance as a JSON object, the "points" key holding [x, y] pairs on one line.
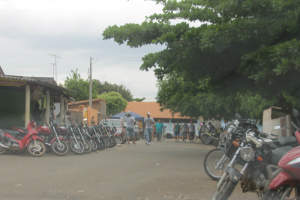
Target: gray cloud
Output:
{"points": [[72, 29]]}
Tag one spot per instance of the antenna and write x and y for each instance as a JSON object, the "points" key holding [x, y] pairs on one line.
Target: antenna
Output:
{"points": [[54, 65]]}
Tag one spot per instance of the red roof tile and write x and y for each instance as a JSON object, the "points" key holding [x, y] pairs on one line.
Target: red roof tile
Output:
{"points": [[142, 108]]}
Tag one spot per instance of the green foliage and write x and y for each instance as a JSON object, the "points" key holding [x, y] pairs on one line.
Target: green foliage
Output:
{"points": [[138, 99], [108, 87], [79, 86], [115, 103], [241, 52]]}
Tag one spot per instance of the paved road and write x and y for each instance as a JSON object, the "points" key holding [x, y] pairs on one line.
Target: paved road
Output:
{"points": [[162, 170]]}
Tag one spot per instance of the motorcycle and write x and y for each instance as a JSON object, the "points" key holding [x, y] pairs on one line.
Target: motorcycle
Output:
{"points": [[216, 160], [94, 133], [50, 134], [31, 141], [86, 142], [75, 143], [258, 160], [107, 132], [286, 183], [89, 137], [210, 137]]}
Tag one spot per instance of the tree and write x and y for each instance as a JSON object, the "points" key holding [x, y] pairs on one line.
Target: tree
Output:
{"points": [[79, 86], [138, 99], [115, 103], [240, 49], [108, 87]]}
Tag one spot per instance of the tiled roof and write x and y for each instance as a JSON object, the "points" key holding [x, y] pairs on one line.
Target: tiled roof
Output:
{"points": [[142, 108]]}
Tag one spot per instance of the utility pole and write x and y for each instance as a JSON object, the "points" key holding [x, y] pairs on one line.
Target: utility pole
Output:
{"points": [[55, 65], [53, 70], [91, 83]]}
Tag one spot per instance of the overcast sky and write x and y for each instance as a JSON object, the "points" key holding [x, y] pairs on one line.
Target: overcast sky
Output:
{"points": [[33, 30]]}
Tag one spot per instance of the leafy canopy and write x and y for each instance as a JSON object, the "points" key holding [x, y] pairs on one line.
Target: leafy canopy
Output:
{"points": [[79, 86], [115, 103], [238, 51]]}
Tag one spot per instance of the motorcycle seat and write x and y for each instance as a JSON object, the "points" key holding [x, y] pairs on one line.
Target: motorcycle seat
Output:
{"points": [[278, 153], [283, 141], [14, 134]]}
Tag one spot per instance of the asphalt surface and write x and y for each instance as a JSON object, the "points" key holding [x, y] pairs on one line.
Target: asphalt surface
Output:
{"points": [[162, 170]]}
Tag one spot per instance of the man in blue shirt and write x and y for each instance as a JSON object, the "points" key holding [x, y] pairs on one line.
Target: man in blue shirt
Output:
{"points": [[159, 129]]}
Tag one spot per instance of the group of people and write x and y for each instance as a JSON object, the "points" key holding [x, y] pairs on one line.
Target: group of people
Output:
{"points": [[158, 129], [150, 125], [184, 129], [154, 129]]}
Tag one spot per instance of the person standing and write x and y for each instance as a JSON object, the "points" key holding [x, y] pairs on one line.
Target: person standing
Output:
{"points": [[177, 129], [159, 129], [149, 121], [192, 131], [184, 131], [202, 130], [164, 129], [130, 121]]}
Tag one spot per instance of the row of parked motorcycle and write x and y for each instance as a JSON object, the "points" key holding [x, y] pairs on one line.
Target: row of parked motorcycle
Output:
{"points": [[260, 162], [79, 138]]}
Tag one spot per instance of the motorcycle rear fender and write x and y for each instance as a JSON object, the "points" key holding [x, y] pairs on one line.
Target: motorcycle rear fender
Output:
{"points": [[34, 137], [61, 138], [235, 175], [282, 179], [222, 149]]}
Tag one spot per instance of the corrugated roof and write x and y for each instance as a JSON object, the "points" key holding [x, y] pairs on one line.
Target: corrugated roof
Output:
{"points": [[32, 80], [85, 101], [142, 108]]}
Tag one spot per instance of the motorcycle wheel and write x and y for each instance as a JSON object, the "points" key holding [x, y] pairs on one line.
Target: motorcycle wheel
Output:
{"points": [[106, 142], [112, 142], [225, 189], [60, 149], [283, 193], [36, 148], [100, 145], [119, 139], [103, 140], [210, 162], [87, 147], [77, 149], [94, 145], [2, 150], [205, 139], [216, 142]]}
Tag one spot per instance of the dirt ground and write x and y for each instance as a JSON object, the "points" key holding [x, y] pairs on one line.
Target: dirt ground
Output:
{"points": [[162, 170]]}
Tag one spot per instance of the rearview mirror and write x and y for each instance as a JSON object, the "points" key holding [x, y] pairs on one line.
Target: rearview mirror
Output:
{"points": [[277, 127]]}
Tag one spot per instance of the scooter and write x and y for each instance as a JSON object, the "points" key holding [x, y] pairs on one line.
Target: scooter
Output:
{"points": [[286, 184], [31, 141]]}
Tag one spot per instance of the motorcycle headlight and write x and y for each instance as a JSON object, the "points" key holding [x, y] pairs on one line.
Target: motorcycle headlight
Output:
{"points": [[247, 153]]}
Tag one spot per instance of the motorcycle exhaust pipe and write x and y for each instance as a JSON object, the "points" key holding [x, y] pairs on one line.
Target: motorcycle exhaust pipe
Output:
{"points": [[2, 145]]}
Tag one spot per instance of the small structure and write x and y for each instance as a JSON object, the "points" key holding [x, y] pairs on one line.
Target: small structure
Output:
{"points": [[98, 110], [20, 94], [274, 116]]}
